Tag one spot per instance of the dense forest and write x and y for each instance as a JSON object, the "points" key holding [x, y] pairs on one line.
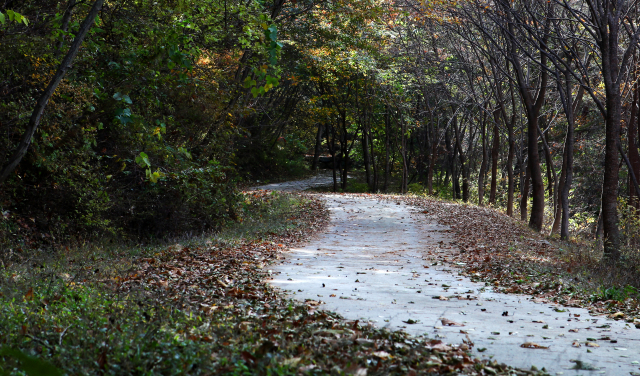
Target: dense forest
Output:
{"points": [[139, 119]]}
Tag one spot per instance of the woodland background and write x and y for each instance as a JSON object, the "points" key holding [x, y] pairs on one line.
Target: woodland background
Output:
{"points": [[171, 106]]}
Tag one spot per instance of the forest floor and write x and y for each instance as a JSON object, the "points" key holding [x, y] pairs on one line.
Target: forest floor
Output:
{"points": [[199, 306], [205, 305], [411, 263]]}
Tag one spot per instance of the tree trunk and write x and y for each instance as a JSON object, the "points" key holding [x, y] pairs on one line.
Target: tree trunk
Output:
{"points": [[365, 156], [405, 169], [494, 160], [483, 165], [387, 146], [64, 26], [318, 149], [465, 181], [344, 147], [374, 186], [38, 111], [524, 201], [537, 185], [634, 156], [511, 183], [331, 132]]}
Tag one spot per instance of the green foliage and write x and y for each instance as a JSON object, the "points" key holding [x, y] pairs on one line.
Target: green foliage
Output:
{"points": [[416, 188], [32, 366], [615, 293], [354, 187], [137, 140], [12, 16]]}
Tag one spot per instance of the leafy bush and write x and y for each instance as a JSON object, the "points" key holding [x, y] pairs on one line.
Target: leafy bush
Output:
{"points": [[415, 188], [357, 187]]}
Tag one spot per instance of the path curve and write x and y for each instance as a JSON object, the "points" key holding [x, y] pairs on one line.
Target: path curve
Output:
{"points": [[373, 263]]}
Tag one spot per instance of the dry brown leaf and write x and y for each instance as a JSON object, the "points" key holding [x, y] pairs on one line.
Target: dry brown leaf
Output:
{"points": [[533, 345], [29, 294], [592, 344], [617, 315], [447, 322]]}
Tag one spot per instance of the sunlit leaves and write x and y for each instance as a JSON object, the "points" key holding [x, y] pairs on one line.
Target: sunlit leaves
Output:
{"points": [[12, 16]]}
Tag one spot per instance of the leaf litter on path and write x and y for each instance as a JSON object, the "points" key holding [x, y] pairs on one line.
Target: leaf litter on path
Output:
{"points": [[226, 285]]}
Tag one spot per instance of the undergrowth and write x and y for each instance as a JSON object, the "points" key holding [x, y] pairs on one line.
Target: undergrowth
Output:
{"points": [[69, 306]]}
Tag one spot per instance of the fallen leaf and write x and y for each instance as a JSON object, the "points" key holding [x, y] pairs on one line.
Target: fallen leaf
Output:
{"points": [[381, 354], [617, 315], [533, 345], [29, 294], [447, 322]]}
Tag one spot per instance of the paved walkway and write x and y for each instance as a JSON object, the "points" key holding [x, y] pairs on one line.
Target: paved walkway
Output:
{"points": [[374, 263]]}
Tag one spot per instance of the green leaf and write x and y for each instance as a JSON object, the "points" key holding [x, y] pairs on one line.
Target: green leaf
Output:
{"points": [[143, 160], [154, 177], [3, 18], [30, 365]]}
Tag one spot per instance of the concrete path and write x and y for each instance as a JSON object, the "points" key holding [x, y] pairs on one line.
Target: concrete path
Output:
{"points": [[376, 262], [322, 179]]}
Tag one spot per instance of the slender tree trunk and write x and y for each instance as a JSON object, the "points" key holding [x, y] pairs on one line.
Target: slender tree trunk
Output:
{"points": [[494, 160], [405, 167], [374, 186], [537, 185], [318, 148], [465, 181], [64, 26], [483, 165], [634, 156], [551, 172], [365, 156], [568, 179], [557, 218], [345, 151], [387, 146], [433, 157], [332, 149], [510, 156], [611, 174], [38, 111], [524, 202]]}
